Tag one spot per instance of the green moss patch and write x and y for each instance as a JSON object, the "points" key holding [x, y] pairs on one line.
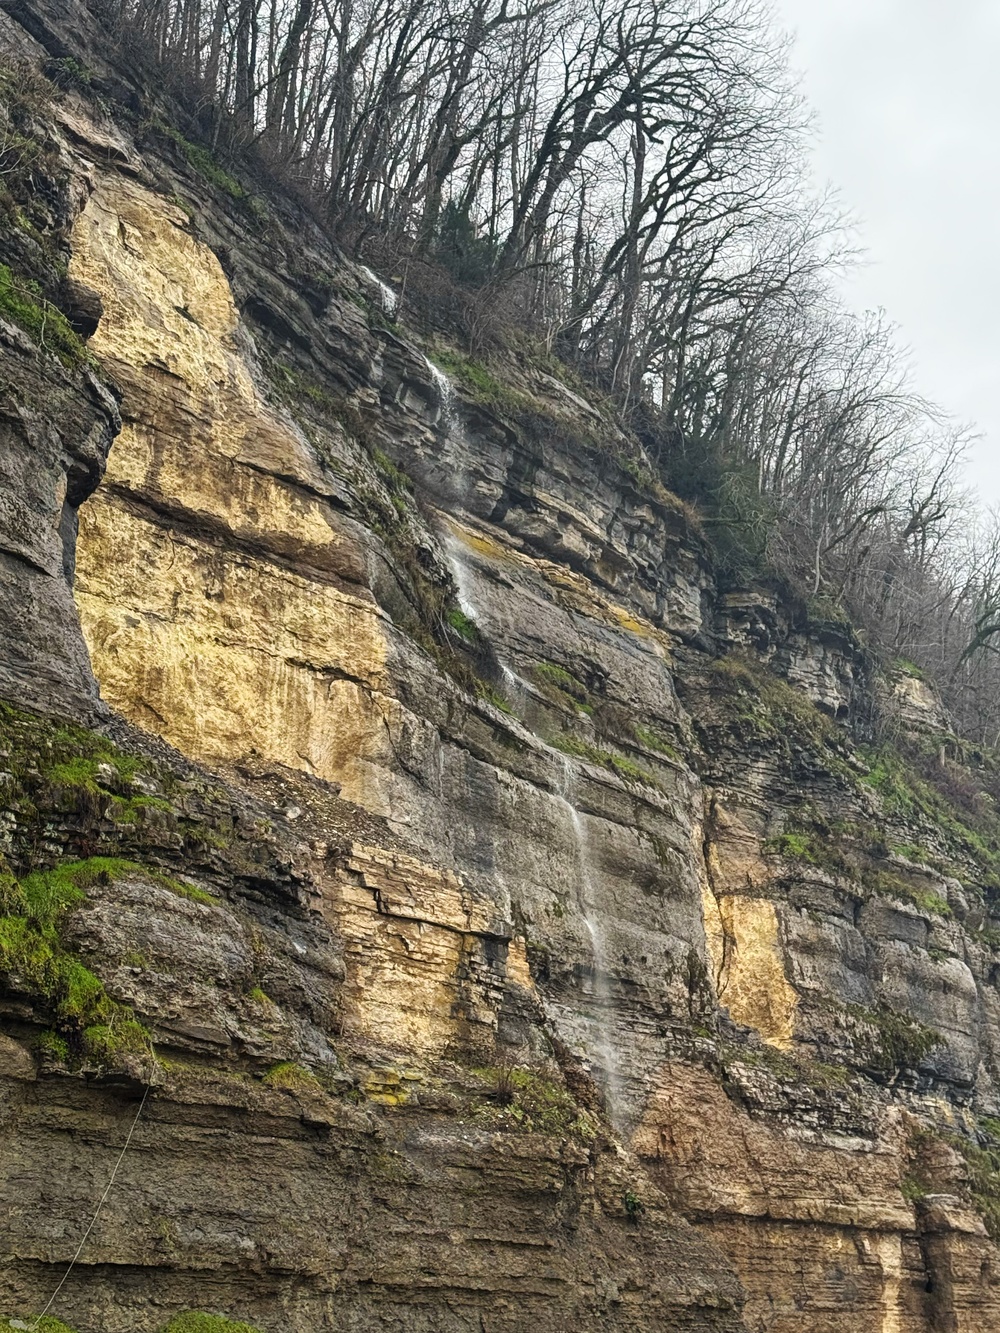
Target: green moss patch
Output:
{"points": [[482, 385], [984, 1180], [626, 768], [290, 1076], [562, 688], [462, 624], [22, 302], [789, 1067], [757, 705], [527, 1102], [888, 1041], [950, 804], [204, 163], [850, 851], [195, 1321], [891, 884], [907, 668], [655, 740], [34, 958]]}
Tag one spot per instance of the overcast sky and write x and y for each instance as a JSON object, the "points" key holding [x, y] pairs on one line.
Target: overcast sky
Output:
{"points": [[908, 100]]}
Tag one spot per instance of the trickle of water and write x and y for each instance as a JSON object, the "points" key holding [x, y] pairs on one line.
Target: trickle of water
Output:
{"points": [[605, 1050], [516, 688], [463, 583], [390, 301], [446, 392], [604, 1046]]}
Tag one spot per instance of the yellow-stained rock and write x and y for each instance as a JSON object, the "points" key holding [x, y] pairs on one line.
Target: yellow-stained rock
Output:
{"points": [[419, 976], [818, 1229], [221, 606], [742, 935], [743, 942]]}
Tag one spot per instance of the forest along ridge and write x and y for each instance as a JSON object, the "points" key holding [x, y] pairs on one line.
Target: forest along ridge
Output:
{"points": [[498, 735]]}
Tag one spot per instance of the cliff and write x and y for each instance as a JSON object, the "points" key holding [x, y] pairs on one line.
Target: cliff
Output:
{"points": [[466, 914]]}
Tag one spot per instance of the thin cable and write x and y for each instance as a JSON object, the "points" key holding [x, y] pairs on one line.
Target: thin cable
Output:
{"points": [[86, 1234]]}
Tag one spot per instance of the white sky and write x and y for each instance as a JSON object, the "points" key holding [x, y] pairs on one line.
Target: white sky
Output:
{"points": [[908, 100]]}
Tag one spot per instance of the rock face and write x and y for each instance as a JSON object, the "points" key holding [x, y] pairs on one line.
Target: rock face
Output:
{"points": [[523, 934], [56, 426]]}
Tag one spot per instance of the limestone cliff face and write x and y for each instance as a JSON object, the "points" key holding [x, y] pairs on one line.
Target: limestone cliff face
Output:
{"points": [[525, 937], [56, 425]]}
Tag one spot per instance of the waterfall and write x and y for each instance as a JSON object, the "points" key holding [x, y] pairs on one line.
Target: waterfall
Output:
{"points": [[446, 393], [516, 688], [390, 301], [604, 1052], [604, 1045], [460, 575]]}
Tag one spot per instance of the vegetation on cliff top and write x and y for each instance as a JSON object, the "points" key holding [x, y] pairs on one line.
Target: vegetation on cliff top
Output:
{"points": [[686, 278]]}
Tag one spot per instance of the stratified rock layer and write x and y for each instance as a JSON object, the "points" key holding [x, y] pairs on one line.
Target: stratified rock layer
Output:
{"points": [[497, 974]]}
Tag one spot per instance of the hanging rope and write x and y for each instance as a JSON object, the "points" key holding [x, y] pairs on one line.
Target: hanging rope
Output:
{"points": [[86, 1234]]}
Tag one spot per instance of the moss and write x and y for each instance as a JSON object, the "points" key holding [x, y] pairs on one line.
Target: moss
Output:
{"points": [[655, 740], [22, 302], [487, 692], [132, 809], [482, 385], [790, 1067], [626, 768], [196, 1321], [189, 891], [823, 610], [527, 1102], [798, 846], [462, 624], [917, 790], [913, 1189], [290, 1076], [912, 852], [983, 1164], [891, 884], [888, 1041], [562, 679], [67, 72], [394, 477], [907, 668], [259, 996], [292, 385], [33, 956], [562, 687], [888, 777], [52, 1045], [760, 708], [204, 163]]}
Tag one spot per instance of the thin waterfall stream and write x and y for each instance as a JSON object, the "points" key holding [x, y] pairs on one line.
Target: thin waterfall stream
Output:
{"points": [[446, 395], [390, 300], [604, 1050]]}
